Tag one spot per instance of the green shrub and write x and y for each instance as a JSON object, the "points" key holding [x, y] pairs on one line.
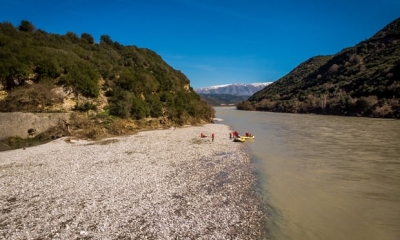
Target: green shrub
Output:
{"points": [[85, 107]]}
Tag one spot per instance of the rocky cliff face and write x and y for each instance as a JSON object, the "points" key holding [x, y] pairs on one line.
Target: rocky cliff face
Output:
{"points": [[25, 125]]}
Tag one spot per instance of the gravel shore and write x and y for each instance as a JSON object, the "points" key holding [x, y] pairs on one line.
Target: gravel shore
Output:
{"points": [[162, 184]]}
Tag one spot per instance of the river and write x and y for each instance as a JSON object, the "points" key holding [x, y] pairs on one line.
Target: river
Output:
{"points": [[325, 177]]}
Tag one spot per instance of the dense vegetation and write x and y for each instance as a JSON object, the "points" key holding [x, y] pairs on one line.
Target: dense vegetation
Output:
{"points": [[363, 80], [136, 82], [222, 99]]}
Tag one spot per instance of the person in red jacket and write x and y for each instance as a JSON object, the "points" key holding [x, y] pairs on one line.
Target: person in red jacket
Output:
{"points": [[236, 133], [212, 137]]}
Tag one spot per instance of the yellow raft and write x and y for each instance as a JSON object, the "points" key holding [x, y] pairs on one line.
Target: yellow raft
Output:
{"points": [[247, 137], [243, 138], [239, 139]]}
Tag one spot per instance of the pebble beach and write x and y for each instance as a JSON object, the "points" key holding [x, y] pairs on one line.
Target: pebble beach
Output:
{"points": [[160, 184]]}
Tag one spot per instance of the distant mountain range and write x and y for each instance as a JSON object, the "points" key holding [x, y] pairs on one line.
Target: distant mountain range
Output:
{"points": [[229, 94], [236, 89]]}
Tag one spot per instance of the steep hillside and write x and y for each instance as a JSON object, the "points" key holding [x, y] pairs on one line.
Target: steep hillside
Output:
{"points": [[363, 80], [287, 84], [43, 72], [222, 99]]}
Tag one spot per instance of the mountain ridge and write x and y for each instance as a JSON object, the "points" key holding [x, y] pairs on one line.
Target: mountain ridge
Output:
{"points": [[362, 80], [114, 88], [229, 94], [238, 89]]}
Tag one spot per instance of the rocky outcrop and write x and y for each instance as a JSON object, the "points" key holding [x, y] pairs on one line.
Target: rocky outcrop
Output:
{"points": [[24, 125]]}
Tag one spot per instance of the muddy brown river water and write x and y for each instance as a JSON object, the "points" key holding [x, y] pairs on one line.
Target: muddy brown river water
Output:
{"points": [[325, 177]]}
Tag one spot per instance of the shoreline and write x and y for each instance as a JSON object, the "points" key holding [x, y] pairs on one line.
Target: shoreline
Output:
{"points": [[157, 184]]}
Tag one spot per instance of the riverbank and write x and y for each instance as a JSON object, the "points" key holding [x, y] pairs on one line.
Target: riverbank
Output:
{"points": [[162, 184]]}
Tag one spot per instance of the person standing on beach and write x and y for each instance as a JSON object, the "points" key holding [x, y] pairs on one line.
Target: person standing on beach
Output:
{"points": [[212, 137]]}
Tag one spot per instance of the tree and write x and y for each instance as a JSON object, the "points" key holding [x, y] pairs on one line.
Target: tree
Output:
{"points": [[72, 36], [88, 38], [105, 39], [26, 26], [155, 105], [139, 108], [121, 104], [9, 30]]}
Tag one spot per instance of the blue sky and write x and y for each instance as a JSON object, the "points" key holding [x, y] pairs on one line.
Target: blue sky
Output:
{"points": [[216, 42]]}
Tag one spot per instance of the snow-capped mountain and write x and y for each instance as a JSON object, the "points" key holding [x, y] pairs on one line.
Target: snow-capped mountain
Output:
{"points": [[237, 89]]}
